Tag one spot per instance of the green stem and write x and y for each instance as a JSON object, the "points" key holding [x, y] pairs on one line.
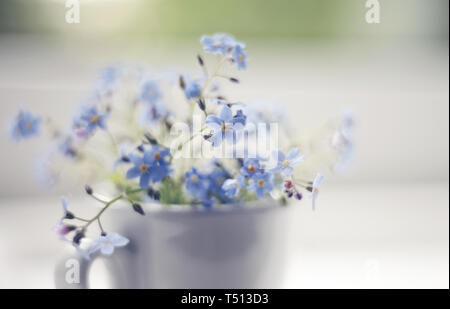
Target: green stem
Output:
{"points": [[103, 210]]}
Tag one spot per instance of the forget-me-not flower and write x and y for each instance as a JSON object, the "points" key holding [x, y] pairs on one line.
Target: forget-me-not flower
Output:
{"points": [[89, 119], [250, 167], [226, 103], [161, 165], [106, 244], [315, 189], [225, 126], [261, 183], [67, 148], [218, 43], [285, 163], [233, 186], [154, 166], [25, 125], [153, 113], [217, 177], [192, 87], [197, 184], [150, 92], [240, 57]]}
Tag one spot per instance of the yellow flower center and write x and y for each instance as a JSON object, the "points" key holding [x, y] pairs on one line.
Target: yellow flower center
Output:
{"points": [[28, 125], [157, 156], [286, 163], [94, 119], [194, 178], [261, 183], [217, 43], [241, 58], [143, 168], [316, 190], [224, 127], [251, 168]]}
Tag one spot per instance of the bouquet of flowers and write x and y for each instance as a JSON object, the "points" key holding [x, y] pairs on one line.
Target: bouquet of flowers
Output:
{"points": [[178, 139]]}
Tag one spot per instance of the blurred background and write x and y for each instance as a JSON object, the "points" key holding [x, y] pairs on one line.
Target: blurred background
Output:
{"points": [[383, 223]]}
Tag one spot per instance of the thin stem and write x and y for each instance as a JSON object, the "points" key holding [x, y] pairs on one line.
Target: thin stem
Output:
{"points": [[100, 225], [113, 141], [214, 74], [103, 210], [99, 199]]}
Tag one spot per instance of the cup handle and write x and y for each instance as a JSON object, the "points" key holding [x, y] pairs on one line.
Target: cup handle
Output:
{"points": [[72, 271]]}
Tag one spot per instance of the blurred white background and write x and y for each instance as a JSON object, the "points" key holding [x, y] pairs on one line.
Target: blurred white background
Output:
{"points": [[384, 223]]}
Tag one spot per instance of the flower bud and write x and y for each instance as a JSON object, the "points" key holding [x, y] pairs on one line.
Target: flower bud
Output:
{"points": [[78, 236], [138, 208], [181, 82], [201, 104], [288, 184], [157, 195], [200, 60], [298, 196], [65, 229], [151, 139], [234, 80], [69, 215], [150, 192], [88, 190]]}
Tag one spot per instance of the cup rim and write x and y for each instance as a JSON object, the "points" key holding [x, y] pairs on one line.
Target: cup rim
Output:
{"points": [[154, 208]]}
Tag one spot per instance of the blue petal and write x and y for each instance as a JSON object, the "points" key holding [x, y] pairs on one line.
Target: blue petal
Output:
{"points": [[293, 153], [216, 139], [213, 121], [133, 172], [287, 171], [226, 114], [144, 181], [136, 159]]}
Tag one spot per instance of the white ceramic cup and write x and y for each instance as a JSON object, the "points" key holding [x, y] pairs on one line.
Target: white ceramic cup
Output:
{"points": [[229, 246]]}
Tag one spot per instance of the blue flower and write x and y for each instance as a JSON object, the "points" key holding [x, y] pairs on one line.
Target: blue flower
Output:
{"points": [[110, 75], [217, 178], [206, 188], [66, 147], [285, 163], [150, 92], [106, 244], [124, 151], [154, 112], [261, 183], [240, 57], [229, 104], [315, 189], [89, 119], [153, 166], [218, 43], [225, 126], [161, 164], [65, 208], [25, 125], [197, 184], [250, 167], [192, 87], [233, 186]]}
